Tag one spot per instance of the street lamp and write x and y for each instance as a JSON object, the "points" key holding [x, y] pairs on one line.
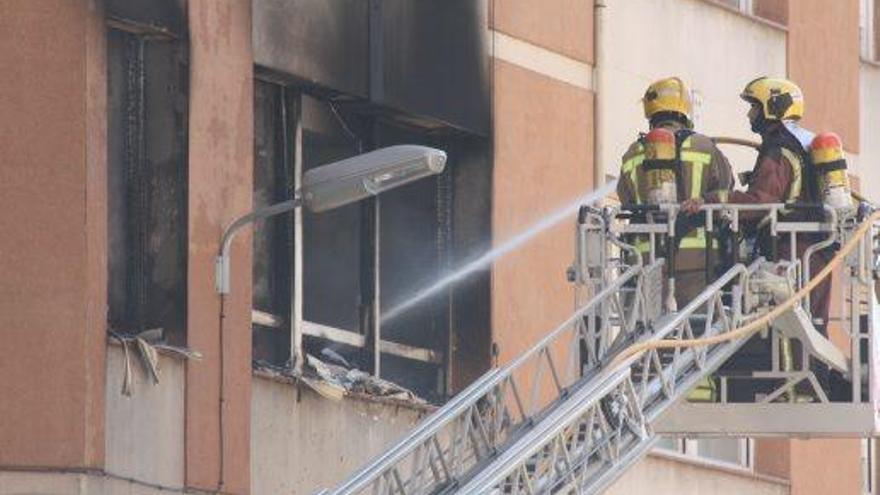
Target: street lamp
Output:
{"points": [[338, 184]]}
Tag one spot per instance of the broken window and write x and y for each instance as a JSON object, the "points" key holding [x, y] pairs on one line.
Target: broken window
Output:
{"points": [[367, 257], [147, 180]]}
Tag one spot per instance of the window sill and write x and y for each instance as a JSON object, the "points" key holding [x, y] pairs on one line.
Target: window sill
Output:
{"points": [[752, 17], [724, 467], [295, 381], [871, 63], [161, 349]]}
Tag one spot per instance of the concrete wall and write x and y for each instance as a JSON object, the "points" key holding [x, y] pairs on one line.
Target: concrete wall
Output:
{"points": [[868, 167], [52, 251], [220, 155], [661, 475], [823, 58], [825, 466], [772, 10], [72, 483], [561, 26], [715, 50], [542, 163], [812, 466], [302, 442], [542, 116], [144, 439]]}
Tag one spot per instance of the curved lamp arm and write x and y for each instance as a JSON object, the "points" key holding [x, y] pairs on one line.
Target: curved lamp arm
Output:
{"points": [[221, 265]]}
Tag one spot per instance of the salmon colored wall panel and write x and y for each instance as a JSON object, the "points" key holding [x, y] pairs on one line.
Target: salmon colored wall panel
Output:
{"points": [[772, 10], [543, 161], [823, 58], [53, 294], [96, 231], [220, 168], [820, 467], [563, 26], [773, 457]]}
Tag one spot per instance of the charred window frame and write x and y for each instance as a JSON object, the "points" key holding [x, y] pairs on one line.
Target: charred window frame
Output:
{"points": [[147, 81], [276, 109], [322, 279]]}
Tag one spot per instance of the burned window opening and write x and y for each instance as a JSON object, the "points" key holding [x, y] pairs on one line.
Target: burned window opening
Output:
{"points": [[414, 237], [275, 107], [147, 182], [333, 288]]}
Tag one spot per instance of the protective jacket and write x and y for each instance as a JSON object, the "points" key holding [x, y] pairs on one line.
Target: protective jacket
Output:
{"points": [[704, 173], [781, 170], [782, 175]]}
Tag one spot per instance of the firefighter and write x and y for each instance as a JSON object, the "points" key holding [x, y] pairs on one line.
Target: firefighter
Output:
{"points": [[674, 164], [783, 169]]}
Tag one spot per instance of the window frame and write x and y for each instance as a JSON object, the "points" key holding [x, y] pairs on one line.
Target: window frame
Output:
{"points": [[689, 449], [147, 34], [746, 7], [371, 340]]}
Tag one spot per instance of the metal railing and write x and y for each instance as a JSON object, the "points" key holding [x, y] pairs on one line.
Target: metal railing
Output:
{"points": [[560, 418], [586, 443], [504, 403]]}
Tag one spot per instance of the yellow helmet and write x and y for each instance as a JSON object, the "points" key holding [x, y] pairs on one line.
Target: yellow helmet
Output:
{"points": [[668, 95], [780, 99]]}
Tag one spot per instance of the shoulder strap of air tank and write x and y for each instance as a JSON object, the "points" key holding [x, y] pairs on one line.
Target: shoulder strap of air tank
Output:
{"points": [[809, 187], [681, 136]]}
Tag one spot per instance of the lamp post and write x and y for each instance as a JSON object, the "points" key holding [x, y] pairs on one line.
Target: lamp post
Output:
{"points": [[338, 184]]}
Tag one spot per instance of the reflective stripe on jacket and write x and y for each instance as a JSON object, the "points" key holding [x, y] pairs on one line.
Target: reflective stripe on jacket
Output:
{"points": [[705, 173]]}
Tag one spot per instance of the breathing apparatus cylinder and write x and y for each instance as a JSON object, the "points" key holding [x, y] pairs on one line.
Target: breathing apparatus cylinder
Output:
{"points": [[829, 163], [660, 167]]}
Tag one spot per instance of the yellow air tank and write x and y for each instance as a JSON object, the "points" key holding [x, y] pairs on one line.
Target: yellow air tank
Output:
{"points": [[660, 167], [829, 162]]}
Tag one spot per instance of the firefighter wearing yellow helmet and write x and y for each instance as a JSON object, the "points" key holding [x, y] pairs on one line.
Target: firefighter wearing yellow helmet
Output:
{"points": [[783, 171], [775, 99], [674, 164]]}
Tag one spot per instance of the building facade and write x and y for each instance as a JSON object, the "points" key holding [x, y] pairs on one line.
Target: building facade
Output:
{"points": [[135, 132]]}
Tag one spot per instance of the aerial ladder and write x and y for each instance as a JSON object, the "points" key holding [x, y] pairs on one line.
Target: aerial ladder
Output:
{"points": [[587, 401]]}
